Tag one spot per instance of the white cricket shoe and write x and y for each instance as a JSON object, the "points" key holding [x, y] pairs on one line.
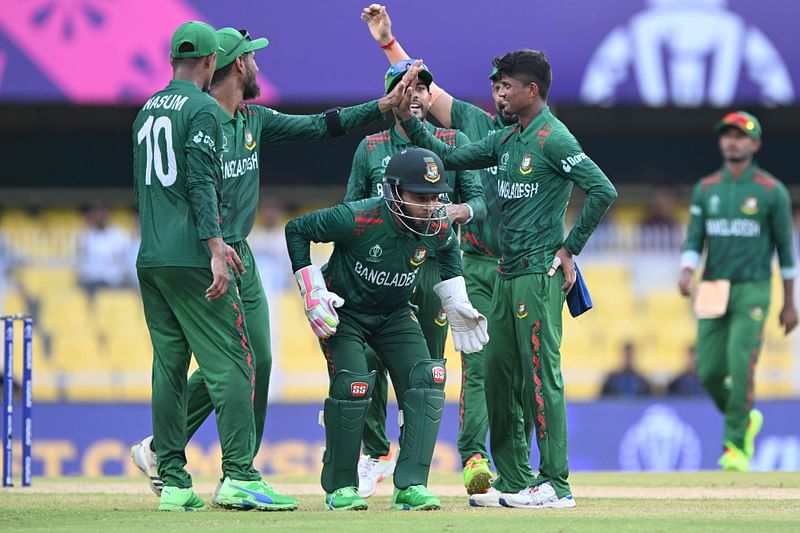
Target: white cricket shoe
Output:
{"points": [[490, 498], [372, 471], [538, 497], [145, 460]]}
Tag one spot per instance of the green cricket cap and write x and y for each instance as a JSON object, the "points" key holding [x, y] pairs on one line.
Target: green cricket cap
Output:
{"points": [[236, 42], [493, 74], [743, 121], [201, 36], [398, 70]]}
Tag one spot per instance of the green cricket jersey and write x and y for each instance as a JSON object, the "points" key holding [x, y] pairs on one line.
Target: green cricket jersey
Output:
{"points": [[536, 168], [480, 237], [243, 134], [177, 143], [741, 221], [374, 152], [374, 264]]}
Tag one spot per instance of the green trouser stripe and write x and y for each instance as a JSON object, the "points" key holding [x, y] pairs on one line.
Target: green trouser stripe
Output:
{"points": [[480, 273], [524, 387], [181, 322], [434, 328], [256, 309], [727, 350]]}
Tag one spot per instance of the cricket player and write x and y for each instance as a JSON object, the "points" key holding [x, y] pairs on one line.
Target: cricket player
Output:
{"points": [[190, 306], [365, 181], [538, 161], [380, 245], [741, 215], [478, 244], [245, 128]]}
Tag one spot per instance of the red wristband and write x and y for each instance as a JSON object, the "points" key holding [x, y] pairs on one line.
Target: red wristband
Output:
{"points": [[389, 44]]}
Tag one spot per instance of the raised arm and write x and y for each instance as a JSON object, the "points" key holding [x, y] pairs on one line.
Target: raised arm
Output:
{"points": [[471, 206], [380, 26], [470, 156]]}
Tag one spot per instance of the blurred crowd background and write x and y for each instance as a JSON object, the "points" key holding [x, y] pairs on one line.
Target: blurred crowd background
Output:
{"points": [[639, 82]]}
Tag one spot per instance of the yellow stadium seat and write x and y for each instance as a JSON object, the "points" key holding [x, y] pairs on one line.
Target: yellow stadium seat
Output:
{"points": [[62, 218], [67, 311], [114, 309], [42, 282], [14, 303], [628, 214]]}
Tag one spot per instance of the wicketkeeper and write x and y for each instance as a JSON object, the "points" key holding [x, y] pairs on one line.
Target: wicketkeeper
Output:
{"points": [[379, 245]]}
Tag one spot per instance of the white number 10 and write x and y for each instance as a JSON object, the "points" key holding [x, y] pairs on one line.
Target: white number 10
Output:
{"points": [[154, 160]]}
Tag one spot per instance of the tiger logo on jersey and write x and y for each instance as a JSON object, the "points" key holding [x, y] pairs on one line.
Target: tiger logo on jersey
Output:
{"points": [[441, 318], [249, 141], [525, 167], [522, 311], [750, 206], [419, 257], [431, 170]]}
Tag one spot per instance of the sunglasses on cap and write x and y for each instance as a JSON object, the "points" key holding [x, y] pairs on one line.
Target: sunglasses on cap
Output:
{"points": [[402, 66], [245, 37]]}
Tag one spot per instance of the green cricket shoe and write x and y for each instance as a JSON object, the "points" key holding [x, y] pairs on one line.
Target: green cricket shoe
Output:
{"points": [[734, 459], [345, 499], [753, 428], [246, 495], [415, 498], [477, 476], [178, 499]]}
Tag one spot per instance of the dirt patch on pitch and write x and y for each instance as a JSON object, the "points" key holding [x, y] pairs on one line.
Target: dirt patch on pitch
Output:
{"points": [[306, 489]]}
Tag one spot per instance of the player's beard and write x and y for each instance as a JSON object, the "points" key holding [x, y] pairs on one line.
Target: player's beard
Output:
{"points": [[251, 88]]}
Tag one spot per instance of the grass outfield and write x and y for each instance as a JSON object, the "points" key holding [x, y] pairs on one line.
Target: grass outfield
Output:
{"points": [[700, 501]]}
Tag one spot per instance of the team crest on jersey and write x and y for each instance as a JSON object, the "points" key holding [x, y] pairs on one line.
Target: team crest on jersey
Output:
{"points": [[419, 257], [522, 311], [525, 167], [439, 374], [249, 141], [431, 170], [441, 318], [750, 206]]}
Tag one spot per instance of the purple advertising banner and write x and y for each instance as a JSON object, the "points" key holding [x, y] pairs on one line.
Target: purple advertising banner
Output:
{"points": [[636, 435], [652, 52]]}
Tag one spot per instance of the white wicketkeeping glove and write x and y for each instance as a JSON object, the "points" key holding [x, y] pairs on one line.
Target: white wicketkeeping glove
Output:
{"points": [[319, 302], [467, 325]]}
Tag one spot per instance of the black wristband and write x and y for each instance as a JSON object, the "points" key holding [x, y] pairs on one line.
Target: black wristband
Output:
{"points": [[334, 122]]}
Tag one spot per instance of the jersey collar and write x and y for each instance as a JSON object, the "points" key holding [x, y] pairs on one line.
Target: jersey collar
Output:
{"points": [[402, 142], [530, 133], [747, 175]]}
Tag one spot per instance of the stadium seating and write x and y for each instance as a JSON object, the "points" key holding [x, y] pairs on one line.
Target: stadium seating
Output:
{"points": [[99, 349]]}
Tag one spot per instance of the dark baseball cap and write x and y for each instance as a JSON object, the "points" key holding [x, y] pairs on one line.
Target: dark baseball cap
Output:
{"points": [[236, 42], [398, 70], [742, 121], [418, 170], [201, 36]]}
